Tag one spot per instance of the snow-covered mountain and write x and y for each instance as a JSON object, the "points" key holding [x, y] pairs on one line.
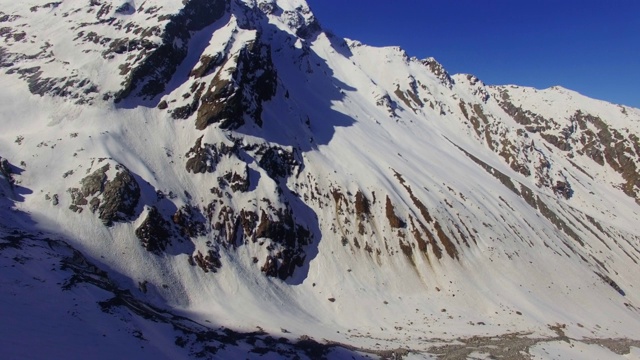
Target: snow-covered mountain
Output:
{"points": [[224, 178]]}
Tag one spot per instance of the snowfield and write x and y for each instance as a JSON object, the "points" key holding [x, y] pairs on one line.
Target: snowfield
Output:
{"points": [[225, 179]]}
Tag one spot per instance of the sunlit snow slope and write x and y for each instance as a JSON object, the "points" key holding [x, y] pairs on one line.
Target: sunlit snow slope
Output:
{"points": [[185, 173]]}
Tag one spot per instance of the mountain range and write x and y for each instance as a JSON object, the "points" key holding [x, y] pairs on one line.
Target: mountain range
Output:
{"points": [[225, 179]]}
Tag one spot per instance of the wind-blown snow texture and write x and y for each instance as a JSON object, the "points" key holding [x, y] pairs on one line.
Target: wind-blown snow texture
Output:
{"points": [[225, 178]]}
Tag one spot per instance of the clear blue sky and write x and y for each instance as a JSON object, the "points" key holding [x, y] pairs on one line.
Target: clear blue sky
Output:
{"points": [[590, 46]]}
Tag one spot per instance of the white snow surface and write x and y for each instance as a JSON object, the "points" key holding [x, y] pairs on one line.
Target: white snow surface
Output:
{"points": [[361, 118]]}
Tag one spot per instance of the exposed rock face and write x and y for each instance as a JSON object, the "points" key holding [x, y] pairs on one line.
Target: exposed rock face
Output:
{"points": [[227, 101], [120, 197], [564, 189], [267, 6], [385, 101], [111, 190], [270, 267], [5, 171], [202, 159], [420, 231], [70, 87], [208, 263], [144, 45], [438, 70], [232, 222], [394, 220], [154, 232], [584, 135], [278, 162], [189, 221], [149, 77], [274, 229], [283, 230], [237, 181], [6, 178], [125, 9], [605, 144], [302, 21], [519, 148]]}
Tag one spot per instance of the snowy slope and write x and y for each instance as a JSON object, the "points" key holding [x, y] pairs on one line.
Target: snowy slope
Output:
{"points": [[235, 165]]}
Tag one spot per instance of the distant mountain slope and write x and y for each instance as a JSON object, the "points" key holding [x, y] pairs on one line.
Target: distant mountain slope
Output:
{"points": [[230, 164]]}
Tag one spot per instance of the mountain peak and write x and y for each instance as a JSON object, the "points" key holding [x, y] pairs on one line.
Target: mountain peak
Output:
{"points": [[296, 14]]}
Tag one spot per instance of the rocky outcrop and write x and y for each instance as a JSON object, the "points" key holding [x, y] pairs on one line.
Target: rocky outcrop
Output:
{"points": [[231, 222], [302, 21], [72, 86], [238, 181], [208, 263], [439, 71], [190, 222], [584, 135], [227, 101], [267, 6], [385, 101], [278, 162], [606, 145], [6, 178], [111, 191], [120, 197], [154, 232], [136, 42], [394, 220], [5, 171], [150, 77], [274, 229], [282, 264], [563, 189], [202, 159], [523, 151]]}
